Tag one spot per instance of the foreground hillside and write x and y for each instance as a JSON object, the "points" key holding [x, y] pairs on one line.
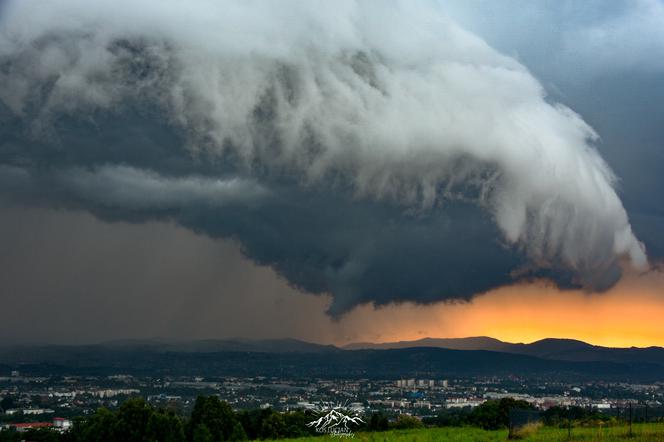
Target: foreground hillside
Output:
{"points": [[641, 432]]}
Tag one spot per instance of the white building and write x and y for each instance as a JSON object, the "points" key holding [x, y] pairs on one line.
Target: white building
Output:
{"points": [[62, 424], [38, 411]]}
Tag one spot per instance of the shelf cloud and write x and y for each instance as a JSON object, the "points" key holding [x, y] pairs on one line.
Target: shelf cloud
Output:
{"points": [[374, 151]]}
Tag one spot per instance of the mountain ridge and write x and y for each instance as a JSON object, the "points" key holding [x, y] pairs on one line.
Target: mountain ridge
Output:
{"points": [[564, 349], [288, 357]]}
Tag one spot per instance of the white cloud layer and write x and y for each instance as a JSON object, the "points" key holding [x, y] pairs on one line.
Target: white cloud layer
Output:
{"points": [[134, 189]]}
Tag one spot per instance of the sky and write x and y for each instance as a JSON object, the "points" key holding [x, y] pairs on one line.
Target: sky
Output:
{"points": [[375, 171]]}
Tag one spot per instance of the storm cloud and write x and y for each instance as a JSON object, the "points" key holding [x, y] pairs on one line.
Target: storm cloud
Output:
{"points": [[377, 152]]}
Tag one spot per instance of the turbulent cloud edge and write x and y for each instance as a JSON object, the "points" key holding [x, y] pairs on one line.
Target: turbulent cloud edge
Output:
{"points": [[392, 101]]}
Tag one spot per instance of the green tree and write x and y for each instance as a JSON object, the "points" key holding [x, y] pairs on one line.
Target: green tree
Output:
{"points": [[273, 427], [202, 434], [218, 417], [449, 417], [100, 427], [378, 422], [495, 414], [10, 435], [40, 435], [165, 426], [7, 402], [132, 420], [33, 435], [251, 422], [296, 424]]}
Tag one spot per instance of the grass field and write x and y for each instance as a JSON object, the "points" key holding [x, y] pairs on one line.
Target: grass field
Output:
{"points": [[641, 432]]}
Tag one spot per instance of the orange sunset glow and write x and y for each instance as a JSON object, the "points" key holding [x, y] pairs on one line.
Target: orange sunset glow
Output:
{"points": [[630, 314]]}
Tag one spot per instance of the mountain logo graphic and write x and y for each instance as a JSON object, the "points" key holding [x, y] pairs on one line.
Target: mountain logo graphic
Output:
{"points": [[337, 421]]}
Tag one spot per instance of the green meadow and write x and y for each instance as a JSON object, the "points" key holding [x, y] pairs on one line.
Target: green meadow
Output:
{"points": [[640, 432]]}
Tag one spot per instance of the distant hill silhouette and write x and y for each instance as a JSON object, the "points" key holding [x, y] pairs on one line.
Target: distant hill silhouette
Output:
{"points": [[472, 343], [550, 348], [477, 356]]}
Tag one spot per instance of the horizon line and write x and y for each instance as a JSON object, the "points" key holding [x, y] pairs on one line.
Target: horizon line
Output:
{"points": [[175, 339]]}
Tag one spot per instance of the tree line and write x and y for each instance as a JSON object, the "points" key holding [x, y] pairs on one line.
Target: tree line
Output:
{"points": [[214, 420]]}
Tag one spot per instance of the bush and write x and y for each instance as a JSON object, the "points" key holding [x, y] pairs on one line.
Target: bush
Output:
{"points": [[406, 422]]}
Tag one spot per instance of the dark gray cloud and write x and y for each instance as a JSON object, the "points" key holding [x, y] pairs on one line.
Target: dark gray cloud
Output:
{"points": [[320, 241], [377, 166]]}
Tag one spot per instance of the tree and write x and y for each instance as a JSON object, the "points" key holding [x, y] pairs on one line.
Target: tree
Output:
{"points": [[7, 402], [33, 435], [494, 414], [378, 422], [268, 423], [202, 434], [10, 435], [40, 435], [165, 426], [218, 417], [251, 421], [132, 420], [449, 417], [296, 424], [100, 427], [273, 427]]}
